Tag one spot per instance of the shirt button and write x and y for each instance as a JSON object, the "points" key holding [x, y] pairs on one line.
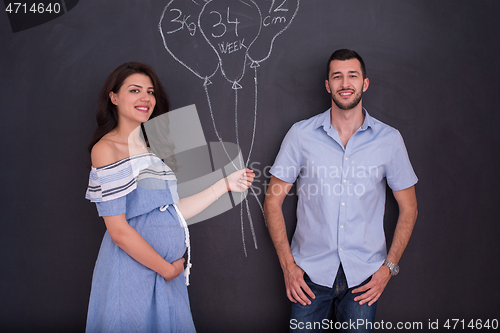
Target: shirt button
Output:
{"points": [[341, 227], [345, 181], [343, 204], [346, 158], [340, 249]]}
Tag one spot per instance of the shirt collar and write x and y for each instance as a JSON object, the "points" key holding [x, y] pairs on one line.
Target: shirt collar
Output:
{"points": [[324, 120], [368, 121]]}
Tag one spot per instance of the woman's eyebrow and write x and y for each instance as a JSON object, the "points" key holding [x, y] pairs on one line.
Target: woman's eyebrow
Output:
{"points": [[138, 86]]}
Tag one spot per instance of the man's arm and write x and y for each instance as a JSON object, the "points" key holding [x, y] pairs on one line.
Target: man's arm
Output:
{"points": [[407, 202], [294, 275]]}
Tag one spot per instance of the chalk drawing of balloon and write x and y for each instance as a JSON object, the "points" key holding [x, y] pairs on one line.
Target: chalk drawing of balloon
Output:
{"points": [[277, 15], [183, 40], [230, 27]]}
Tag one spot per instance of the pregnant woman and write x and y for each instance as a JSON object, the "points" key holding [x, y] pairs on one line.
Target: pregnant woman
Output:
{"points": [[137, 284]]}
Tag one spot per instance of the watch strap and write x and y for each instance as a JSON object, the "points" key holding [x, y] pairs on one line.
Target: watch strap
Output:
{"points": [[392, 267]]}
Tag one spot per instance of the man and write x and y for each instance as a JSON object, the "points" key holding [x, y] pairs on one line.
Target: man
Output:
{"points": [[343, 159]]}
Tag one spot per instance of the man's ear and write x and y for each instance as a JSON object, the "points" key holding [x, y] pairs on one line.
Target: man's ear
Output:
{"points": [[366, 83], [327, 87]]}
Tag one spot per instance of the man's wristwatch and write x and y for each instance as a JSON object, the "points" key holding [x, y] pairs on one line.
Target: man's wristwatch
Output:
{"points": [[392, 266]]}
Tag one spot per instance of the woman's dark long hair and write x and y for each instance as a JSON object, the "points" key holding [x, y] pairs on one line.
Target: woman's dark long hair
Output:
{"points": [[107, 113]]}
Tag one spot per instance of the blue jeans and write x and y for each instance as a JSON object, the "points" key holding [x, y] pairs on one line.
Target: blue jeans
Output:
{"points": [[349, 315]]}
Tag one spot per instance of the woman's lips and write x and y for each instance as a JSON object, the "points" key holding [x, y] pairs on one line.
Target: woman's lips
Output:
{"points": [[142, 108]]}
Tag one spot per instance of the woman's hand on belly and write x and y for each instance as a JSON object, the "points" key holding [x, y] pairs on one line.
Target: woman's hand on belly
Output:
{"points": [[178, 266]]}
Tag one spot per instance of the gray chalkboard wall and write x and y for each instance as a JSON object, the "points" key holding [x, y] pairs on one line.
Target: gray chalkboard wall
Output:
{"points": [[433, 68]]}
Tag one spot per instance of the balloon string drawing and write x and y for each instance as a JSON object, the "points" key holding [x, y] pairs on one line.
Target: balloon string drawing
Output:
{"points": [[226, 36]]}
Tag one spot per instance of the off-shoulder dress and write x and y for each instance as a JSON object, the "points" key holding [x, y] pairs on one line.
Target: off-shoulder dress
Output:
{"points": [[127, 296]]}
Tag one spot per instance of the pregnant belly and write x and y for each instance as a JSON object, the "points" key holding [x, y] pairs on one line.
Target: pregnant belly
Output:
{"points": [[163, 231]]}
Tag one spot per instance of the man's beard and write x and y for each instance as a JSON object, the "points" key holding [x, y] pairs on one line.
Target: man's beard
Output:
{"points": [[350, 106]]}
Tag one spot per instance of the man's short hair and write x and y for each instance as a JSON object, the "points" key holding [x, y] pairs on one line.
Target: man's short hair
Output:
{"points": [[345, 54]]}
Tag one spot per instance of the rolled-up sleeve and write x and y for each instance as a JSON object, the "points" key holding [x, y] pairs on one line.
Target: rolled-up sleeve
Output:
{"points": [[400, 174]]}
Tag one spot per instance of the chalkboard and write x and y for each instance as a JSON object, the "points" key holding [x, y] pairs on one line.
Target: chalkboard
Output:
{"points": [[252, 68]]}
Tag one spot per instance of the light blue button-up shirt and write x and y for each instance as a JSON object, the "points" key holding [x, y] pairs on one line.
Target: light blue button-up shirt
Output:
{"points": [[341, 194]]}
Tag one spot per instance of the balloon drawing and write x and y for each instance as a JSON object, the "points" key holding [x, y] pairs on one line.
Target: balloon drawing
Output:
{"points": [[230, 37]]}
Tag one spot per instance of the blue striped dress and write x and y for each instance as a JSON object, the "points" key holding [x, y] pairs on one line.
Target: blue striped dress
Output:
{"points": [[127, 296]]}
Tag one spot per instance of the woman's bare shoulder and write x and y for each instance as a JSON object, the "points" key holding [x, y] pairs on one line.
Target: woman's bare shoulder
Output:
{"points": [[104, 152]]}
